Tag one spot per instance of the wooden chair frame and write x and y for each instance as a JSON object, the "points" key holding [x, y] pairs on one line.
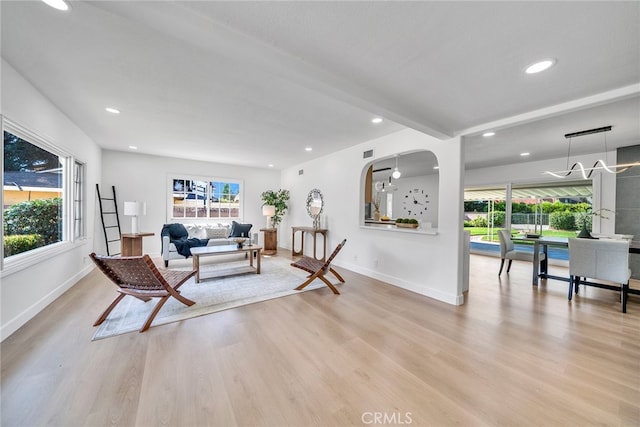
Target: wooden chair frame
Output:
{"points": [[139, 277], [318, 269]]}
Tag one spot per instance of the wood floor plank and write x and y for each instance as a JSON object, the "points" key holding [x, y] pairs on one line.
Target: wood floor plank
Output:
{"points": [[513, 354]]}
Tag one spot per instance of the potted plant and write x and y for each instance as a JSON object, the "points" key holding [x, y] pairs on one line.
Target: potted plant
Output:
{"points": [[584, 232], [277, 199]]}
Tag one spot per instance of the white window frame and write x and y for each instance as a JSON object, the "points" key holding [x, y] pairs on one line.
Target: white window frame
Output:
{"points": [[26, 259], [78, 206], [208, 179]]}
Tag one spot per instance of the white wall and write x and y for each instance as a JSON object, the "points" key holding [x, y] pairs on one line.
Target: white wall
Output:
{"points": [[427, 183], [26, 291], [604, 184], [428, 264], [145, 178]]}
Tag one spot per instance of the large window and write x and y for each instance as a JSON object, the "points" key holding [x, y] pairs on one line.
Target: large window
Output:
{"points": [[43, 193], [207, 198], [549, 209]]}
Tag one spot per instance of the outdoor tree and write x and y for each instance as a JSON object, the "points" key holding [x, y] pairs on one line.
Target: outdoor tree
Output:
{"points": [[22, 156], [226, 193]]}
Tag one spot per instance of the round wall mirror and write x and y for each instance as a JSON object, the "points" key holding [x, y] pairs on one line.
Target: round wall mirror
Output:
{"points": [[315, 203]]}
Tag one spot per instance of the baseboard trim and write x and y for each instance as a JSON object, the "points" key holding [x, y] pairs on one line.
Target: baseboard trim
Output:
{"points": [[17, 322], [404, 284]]}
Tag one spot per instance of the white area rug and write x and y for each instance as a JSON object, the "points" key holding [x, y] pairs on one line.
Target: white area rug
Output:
{"points": [[276, 279]]}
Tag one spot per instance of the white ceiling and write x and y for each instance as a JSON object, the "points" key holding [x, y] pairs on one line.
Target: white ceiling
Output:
{"points": [[254, 83]]}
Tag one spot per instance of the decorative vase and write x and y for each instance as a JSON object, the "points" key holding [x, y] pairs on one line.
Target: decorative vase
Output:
{"points": [[584, 233], [376, 215]]}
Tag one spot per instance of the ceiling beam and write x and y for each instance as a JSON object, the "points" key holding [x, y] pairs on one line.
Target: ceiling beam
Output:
{"points": [[177, 20], [556, 110]]}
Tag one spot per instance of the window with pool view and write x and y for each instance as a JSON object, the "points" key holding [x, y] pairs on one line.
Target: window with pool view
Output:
{"points": [[559, 210]]}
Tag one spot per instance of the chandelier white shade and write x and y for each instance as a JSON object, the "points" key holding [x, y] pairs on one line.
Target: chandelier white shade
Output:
{"points": [[396, 172]]}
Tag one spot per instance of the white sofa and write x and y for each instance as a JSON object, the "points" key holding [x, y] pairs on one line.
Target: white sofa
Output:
{"points": [[218, 234]]}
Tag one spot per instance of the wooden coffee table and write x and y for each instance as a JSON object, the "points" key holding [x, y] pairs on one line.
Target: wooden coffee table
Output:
{"points": [[253, 252]]}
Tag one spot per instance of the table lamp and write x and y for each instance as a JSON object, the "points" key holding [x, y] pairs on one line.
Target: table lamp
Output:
{"points": [[268, 211], [134, 210]]}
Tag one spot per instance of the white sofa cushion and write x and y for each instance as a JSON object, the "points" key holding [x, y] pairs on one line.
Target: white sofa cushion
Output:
{"points": [[216, 232], [208, 231]]}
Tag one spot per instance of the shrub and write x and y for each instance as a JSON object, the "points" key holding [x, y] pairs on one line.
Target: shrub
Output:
{"points": [[498, 218], [562, 221], [21, 243], [411, 221], [520, 207], [41, 217], [583, 217], [479, 221]]}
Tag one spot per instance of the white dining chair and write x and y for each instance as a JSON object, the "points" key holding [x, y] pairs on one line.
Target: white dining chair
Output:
{"points": [[605, 259], [508, 251]]}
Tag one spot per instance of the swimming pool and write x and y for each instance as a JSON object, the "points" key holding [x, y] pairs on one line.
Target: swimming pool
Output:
{"points": [[554, 252]]}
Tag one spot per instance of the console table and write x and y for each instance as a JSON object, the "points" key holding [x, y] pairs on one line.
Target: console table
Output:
{"points": [[314, 232], [131, 243]]}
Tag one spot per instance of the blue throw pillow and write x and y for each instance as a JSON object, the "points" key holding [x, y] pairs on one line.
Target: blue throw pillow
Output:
{"points": [[240, 230]]}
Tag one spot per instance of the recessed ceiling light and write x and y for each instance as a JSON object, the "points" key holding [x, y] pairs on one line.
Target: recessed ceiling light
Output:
{"points": [[525, 154], [376, 120], [436, 167], [270, 165], [308, 149], [487, 134], [540, 66], [112, 110], [57, 4], [133, 147]]}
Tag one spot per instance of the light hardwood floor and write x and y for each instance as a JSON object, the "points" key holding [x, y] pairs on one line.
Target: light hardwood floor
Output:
{"points": [[513, 355]]}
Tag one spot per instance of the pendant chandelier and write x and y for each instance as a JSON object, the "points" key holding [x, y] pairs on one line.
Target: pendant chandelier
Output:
{"points": [[598, 165], [396, 172], [383, 187]]}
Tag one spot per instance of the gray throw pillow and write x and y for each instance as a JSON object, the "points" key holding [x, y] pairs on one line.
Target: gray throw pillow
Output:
{"points": [[240, 230]]}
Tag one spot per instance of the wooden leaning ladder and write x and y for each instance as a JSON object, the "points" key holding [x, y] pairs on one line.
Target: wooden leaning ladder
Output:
{"points": [[110, 220]]}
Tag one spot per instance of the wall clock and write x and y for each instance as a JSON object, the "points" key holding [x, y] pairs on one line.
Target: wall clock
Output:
{"points": [[415, 202]]}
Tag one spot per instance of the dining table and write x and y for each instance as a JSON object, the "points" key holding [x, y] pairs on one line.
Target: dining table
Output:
{"points": [[541, 269]]}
